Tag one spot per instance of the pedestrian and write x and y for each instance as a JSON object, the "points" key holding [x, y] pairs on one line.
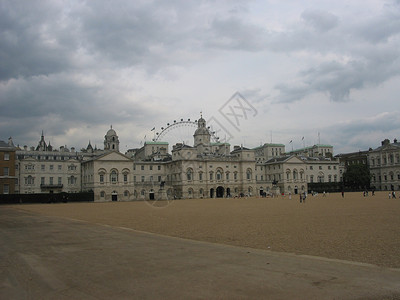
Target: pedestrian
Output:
{"points": [[301, 197], [304, 197], [390, 195], [394, 195], [342, 194], [290, 196]]}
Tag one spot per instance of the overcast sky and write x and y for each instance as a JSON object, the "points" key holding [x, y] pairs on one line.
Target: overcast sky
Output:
{"points": [[327, 71]]}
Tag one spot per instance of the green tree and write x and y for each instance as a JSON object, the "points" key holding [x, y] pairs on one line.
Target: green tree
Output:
{"points": [[357, 176]]}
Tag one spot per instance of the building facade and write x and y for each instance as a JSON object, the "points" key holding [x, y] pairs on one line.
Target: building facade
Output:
{"points": [[204, 169], [8, 179], [384, 165]]}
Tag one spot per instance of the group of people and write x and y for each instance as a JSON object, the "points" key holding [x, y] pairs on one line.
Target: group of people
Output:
{"points": [[392, 195]]}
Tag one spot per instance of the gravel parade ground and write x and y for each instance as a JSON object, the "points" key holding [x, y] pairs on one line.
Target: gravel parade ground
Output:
{"points": [[354, 228]]}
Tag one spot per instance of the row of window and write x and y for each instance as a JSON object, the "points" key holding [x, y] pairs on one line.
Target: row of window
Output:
{"points": [[322, 178], [31, 167], [114, 177], [389, 159], [30, 180], [150, 167], [385, 177], [41, 157], [218, 175], [320, 167]]}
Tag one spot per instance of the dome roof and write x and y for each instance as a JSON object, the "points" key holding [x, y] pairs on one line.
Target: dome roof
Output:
{"points": [[201, 130], [111, 132]]}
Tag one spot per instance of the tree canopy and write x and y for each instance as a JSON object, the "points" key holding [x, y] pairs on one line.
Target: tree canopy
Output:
{"points": [[357, 176]]}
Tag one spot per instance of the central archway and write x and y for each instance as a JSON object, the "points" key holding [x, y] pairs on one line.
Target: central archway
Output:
{"points": [[220, 192]]}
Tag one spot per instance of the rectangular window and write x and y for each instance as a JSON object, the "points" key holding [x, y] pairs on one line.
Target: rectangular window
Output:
{"points": [[42, 167], [142, 168], [51, 180], [142, 178], [134, 178], [201, 176], [101, 178], [320, 167], [159, 178], [59, 180], [42, 180], [159, 168], [125, 178], [311, 167], [51, 167], [7, 157], [59, 167], [151, 168], [6, 189], [6, 171]]}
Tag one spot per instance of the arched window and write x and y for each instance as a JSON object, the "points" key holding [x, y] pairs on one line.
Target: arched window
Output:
{"points": [[248, 174], [29, 180], [321, 177], [113, 176], [218, 175], [200, 176], [72, 180], [295, 174], [189, 174]]}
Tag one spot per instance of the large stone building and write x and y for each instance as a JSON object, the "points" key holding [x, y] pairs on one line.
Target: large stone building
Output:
{"points": [[203, 169], [384, 164]]}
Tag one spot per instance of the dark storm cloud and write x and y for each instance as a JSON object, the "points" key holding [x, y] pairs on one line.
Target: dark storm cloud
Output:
{"points": [[367, 55], [32, 41]]}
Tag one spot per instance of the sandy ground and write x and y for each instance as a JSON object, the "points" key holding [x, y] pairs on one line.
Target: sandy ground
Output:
{"points": [[356, 228]]}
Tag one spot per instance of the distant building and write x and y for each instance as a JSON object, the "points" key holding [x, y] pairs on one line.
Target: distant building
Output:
{"points": [[317, 150], [204, 169], [384, 164], [8, 179]]}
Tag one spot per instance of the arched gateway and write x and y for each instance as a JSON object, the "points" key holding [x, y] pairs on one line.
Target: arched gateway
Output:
{"points": [[220, 192]]}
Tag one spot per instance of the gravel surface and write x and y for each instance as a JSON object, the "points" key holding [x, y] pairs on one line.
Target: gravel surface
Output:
{"points": [[355, 228]]}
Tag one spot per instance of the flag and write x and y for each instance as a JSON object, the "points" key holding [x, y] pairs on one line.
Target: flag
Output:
{"points": [[302, 138], [290, 141], [153, 129]]}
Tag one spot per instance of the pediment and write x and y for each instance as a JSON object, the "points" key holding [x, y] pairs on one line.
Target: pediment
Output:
{"points": [[113, 156], [294, 160]]}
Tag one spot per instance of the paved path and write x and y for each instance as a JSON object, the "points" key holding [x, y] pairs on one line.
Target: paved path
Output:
{"points": [[54, 258]]}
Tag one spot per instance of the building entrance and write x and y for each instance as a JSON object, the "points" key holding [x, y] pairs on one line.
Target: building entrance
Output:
{"points": [[114, 196], [220, 192]]}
